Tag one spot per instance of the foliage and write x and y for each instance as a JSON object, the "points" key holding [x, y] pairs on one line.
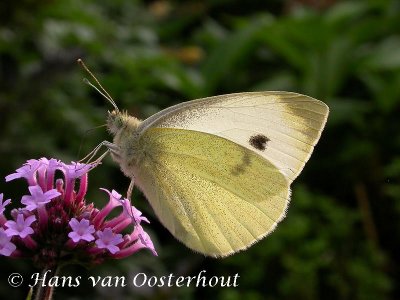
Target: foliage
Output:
{"points": [[340, 237]]}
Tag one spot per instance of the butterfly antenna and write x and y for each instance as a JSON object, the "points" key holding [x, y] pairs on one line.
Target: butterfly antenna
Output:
{"points": [[100, 90]]}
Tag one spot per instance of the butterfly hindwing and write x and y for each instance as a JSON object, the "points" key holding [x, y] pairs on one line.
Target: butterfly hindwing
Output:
{"points": [[214, 195]]}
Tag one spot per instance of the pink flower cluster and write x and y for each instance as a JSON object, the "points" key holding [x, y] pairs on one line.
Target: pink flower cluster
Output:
{"points": [[56, 224]]}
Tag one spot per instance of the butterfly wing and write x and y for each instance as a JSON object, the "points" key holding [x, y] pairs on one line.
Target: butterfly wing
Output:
{"points": [[217, 170], [282, 127], [214, 195]]}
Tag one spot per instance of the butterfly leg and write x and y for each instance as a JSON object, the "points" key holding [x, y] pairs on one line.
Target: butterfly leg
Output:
{"points": [[110, 146], [130, 189], [129, 196], [114, 149]]}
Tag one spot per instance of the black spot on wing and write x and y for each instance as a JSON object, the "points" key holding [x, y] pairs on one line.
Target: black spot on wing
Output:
{"points": [[259, 141]]}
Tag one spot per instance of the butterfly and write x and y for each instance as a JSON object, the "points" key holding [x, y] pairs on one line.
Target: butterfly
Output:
{"points": [[217, 171]]}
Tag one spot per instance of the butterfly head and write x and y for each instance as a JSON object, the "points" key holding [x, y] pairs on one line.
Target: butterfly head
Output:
{"points": [[114, 121], [119, 121]]}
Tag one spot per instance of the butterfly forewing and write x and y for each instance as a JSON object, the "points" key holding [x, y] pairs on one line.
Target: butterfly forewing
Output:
{"points": [[282, 127]]}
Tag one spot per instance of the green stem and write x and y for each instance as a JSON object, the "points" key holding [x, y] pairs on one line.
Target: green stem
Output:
{"points": [[44, 291]]}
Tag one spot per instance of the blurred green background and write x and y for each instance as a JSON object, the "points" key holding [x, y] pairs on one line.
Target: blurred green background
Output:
{"points": [[340, 239]]}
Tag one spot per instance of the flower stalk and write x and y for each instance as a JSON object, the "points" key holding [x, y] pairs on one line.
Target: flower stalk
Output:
{"points": [[44, 290]]}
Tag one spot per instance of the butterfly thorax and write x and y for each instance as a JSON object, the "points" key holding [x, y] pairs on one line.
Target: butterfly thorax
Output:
{"points": [[127, 153]]}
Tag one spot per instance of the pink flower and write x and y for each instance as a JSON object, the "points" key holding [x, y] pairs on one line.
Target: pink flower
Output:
{"points": [[68, 228], [108, 240], [75, 170], [113, 202], [3, 204], [38, 197], [27, 171], [47, 171], [72, 172], [133, 212], [20, 227], [145, 241], [136, 241], [6, 247], [81, 230]]}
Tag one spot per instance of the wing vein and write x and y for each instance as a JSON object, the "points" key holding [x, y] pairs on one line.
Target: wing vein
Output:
{"points": [[230, 190]]}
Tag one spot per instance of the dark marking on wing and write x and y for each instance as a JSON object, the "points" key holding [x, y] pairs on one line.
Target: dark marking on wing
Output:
{"points": [[259, 141], [241, 167]]}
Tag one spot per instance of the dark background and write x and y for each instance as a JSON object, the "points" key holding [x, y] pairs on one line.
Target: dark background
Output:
{"points": [[340, 239]]}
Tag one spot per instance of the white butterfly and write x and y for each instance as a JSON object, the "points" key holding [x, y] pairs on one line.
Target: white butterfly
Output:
{"points": [[217, 171]]}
